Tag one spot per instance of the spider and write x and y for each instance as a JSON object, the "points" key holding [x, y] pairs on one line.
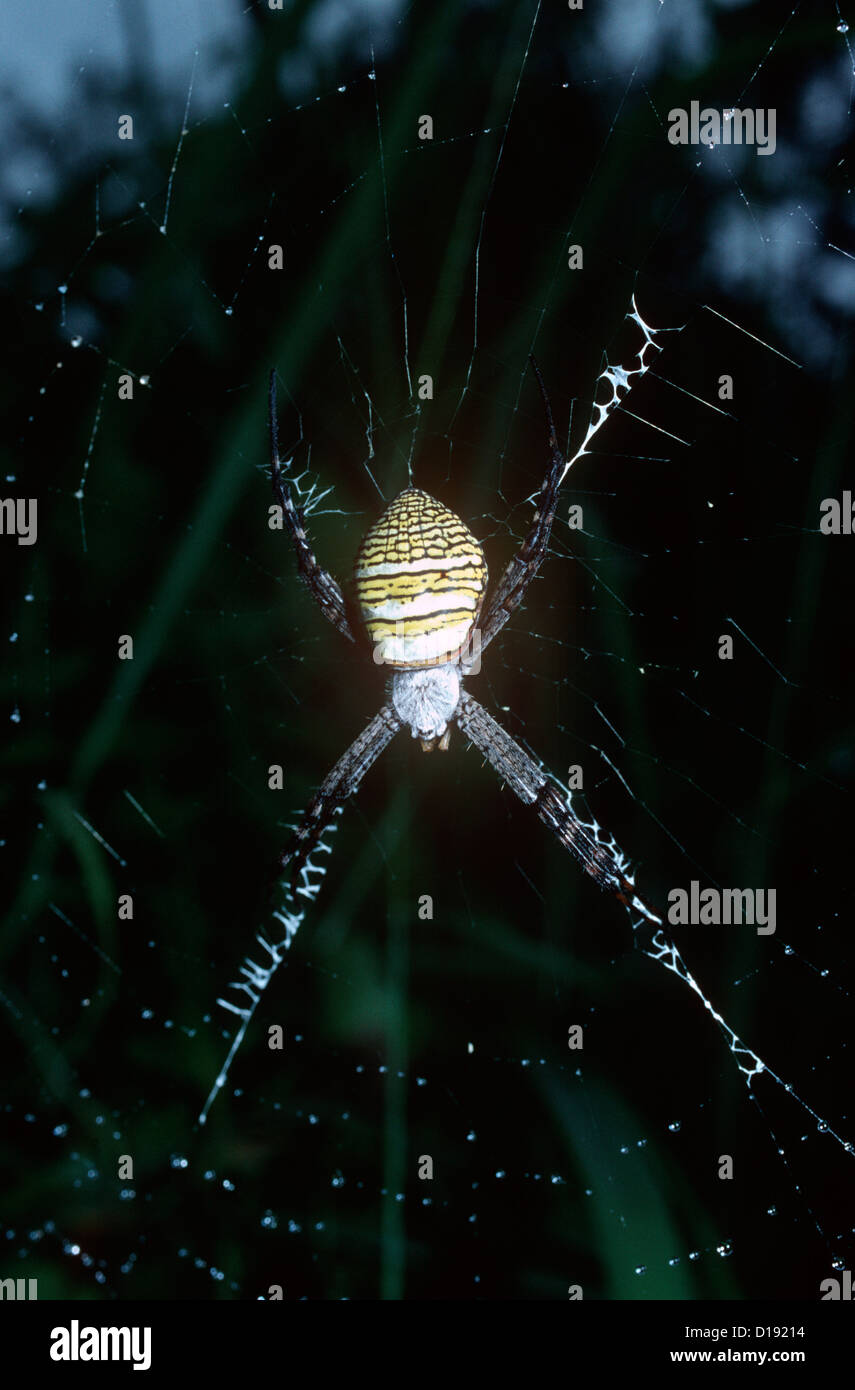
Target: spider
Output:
{"points": [[420, 582]]}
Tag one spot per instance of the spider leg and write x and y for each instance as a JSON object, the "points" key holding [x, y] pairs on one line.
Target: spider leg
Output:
{"points": [[511, 588], [601, 859], [336, 787], [325, 590]]}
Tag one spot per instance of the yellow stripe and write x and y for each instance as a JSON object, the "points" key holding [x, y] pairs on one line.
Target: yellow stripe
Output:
{"points": [[434, 582], [417, 627]]}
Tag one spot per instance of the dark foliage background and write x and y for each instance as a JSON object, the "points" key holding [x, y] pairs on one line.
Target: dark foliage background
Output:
{"points": [[740, 772]]}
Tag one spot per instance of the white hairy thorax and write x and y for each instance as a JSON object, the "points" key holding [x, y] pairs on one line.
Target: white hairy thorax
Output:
{"points": [[426, 699]]}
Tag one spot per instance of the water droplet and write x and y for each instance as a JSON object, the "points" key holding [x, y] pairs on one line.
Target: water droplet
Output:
{"points": [[724, 1249], [269, 1221], [675, 1126], [76, 340], [843, 27], [641, 1269], [838, 1262]]}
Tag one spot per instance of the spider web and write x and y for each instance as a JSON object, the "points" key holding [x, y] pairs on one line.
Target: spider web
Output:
{"points": [[444, 1036]]}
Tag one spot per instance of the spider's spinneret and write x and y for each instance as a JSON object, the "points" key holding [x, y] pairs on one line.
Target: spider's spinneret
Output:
{"points": [[420, 579]]}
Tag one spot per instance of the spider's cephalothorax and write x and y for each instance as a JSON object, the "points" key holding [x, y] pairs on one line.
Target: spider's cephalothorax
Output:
{"points": [[420, 578]]}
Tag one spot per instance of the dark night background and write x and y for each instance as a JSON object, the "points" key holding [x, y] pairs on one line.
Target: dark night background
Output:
{"points": [[737, 773]]}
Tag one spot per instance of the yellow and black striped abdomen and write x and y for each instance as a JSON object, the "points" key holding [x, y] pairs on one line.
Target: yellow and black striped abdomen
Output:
{"points": [[420, 578]]}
